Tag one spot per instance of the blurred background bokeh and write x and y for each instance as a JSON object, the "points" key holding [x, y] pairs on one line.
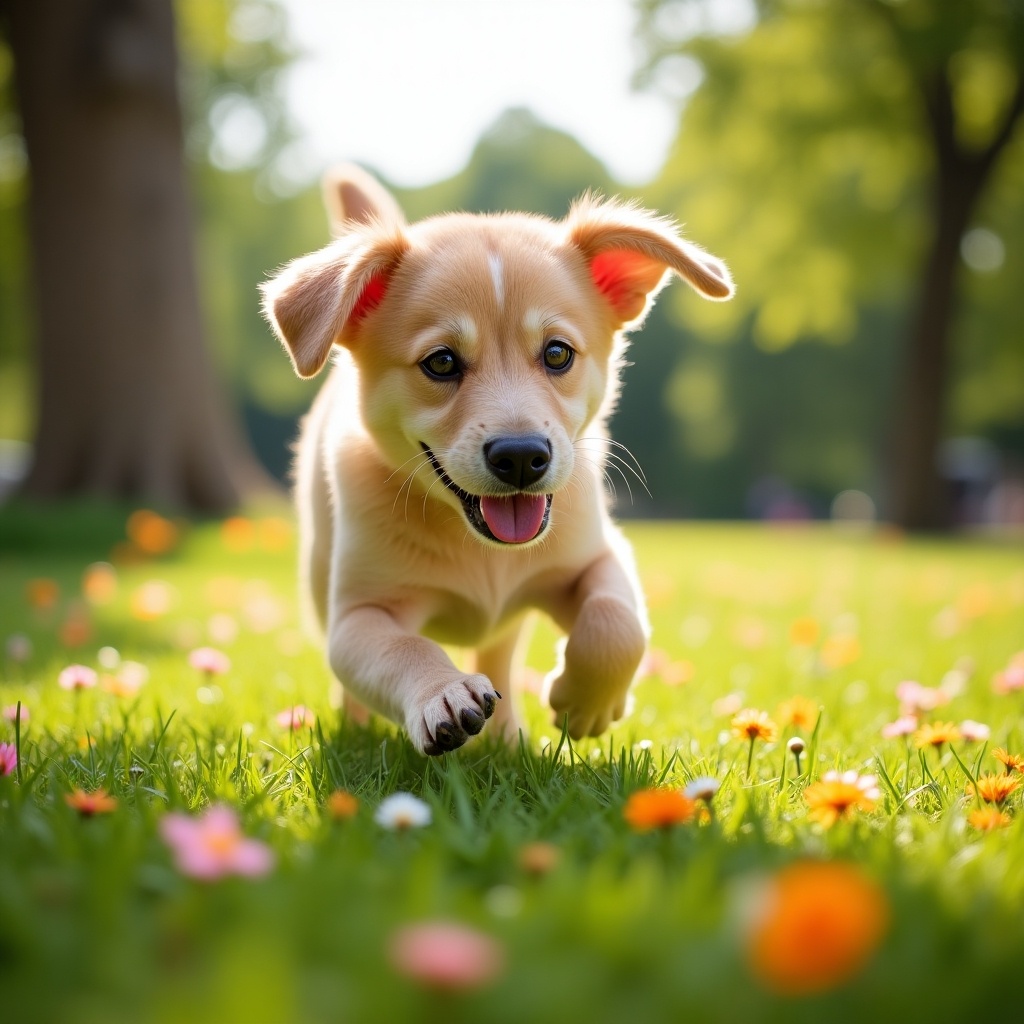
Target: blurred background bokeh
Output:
{"points": [[858, 163]]}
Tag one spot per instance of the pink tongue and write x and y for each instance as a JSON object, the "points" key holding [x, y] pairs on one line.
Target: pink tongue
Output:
{"points": [[514, 520]]}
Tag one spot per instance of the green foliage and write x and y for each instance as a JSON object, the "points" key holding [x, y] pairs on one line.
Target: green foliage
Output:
{"points": [[96, 923]]}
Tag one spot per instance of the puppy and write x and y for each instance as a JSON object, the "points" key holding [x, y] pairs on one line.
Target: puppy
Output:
{"points": [[449, 474]]}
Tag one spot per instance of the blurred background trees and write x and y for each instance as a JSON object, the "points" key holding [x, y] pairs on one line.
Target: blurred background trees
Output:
{"points": [[876, 324]]}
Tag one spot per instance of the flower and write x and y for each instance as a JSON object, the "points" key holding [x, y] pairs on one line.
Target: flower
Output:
{"points": [[42, 594], [704, 787], [934, 734], [987, 819], [993, 789], [151, 533], [905, 725], [914, 697], [804, 632], [447, 956], [1011, 761], [1012, 677], [798, 711], [18, 647], [835, 795], [298, 716], [539, 858], [77, 677], [212, 845], [402, 811], [209, 660], [751, 724], [974, 732], [89, 804], [8, 758], [342, 805], [10, 712], [648, 809], [818, 926]]}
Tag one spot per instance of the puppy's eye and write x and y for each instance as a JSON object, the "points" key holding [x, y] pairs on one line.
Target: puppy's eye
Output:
{"points": [[557, 355], [441, 365]]}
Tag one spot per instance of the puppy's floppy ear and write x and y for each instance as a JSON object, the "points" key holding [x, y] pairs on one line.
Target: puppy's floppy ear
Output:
{"points": [[630, 251], [320, 300], [354, 197]]}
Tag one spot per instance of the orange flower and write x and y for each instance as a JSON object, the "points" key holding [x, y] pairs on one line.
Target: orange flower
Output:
{"points": [[238, 534], [934, 734], [993, 789], [99, 583], [88, 804], [539, 858], [647, 809], [988, 819], [840, 651], [817, 929], [798, 711], [42, 594], [751, 724], [151, 533], [836, 795], [1012, 761], [342, 805]]}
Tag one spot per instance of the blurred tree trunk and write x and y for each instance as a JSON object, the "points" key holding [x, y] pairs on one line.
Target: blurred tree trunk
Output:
{"points": [[917, 498], [128, 402]]}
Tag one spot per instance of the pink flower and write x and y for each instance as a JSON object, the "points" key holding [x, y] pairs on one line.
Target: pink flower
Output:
{"points": [[442, 955], [212, 845], [10, 712], [209, 660], [974, 732], [8, 758], [914, 697], [77, 677], [296, 717], [903, 726]]}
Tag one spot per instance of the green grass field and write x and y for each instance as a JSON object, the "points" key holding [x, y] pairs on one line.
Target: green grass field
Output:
{"points": [[98, 924]]}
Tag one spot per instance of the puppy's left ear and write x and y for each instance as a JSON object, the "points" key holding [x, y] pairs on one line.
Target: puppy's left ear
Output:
{"points": [[630, 252]]}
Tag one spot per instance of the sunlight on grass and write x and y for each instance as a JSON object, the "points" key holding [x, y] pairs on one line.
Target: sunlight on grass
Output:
{"points": [[199, 737]]}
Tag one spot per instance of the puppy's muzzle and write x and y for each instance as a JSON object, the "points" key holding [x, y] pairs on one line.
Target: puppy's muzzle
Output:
{"points": [[520, 460]]}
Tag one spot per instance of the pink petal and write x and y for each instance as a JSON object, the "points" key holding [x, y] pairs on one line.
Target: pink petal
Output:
{"points": [[251, 858]]}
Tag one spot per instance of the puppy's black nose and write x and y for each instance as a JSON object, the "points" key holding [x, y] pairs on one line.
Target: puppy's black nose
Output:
{"points": [[519, 460]]}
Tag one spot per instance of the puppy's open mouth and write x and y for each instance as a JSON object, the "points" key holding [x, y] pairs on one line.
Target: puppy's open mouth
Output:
{"points": [[508, 519]]}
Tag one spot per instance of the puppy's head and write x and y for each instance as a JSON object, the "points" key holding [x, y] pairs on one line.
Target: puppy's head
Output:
{"points": [[486, 345]]}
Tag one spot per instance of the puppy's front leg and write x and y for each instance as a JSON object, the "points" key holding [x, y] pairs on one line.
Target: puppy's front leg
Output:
{"points": [[408, 678], [607, 628]]}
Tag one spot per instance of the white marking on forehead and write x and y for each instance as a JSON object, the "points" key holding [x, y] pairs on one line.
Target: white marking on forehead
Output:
{"points": [[494, 262], [534, 320], [466, 329]]}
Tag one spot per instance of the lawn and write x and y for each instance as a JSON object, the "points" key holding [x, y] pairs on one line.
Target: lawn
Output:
{"points": [[571, 910]]}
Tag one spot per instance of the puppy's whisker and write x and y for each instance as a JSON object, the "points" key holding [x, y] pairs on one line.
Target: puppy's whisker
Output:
{"points": [[621, 447]]}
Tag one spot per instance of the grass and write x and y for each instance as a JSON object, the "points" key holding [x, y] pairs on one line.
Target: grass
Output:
{"points": [[97, 925]]}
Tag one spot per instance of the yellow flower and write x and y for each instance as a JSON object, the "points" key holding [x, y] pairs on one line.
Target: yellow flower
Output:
{"points": [[993, 789], [836, 795], [798, 711], [751, 724], [934, 734], [1012, 761], [988, 819], [647, 809], [817, 928]]}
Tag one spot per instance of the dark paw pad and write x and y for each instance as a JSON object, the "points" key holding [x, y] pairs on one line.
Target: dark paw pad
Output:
{"points": [[472, 721], [448, 736]]}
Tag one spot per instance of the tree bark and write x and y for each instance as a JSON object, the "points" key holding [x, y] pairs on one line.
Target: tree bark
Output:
{"points": [[917, 498], [128, 403]]}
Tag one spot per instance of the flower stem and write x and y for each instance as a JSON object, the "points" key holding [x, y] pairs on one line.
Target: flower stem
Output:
{"points": [[750, 757]]}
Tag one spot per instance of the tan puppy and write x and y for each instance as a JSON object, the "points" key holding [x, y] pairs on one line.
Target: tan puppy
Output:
{"points": [[450, 471]]}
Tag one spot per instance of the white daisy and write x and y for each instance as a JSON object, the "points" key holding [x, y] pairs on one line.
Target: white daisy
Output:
{"points": [[402, 811]]}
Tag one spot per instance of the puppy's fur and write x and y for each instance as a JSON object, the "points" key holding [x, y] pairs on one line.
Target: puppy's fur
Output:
{"points": [[449, 475]]}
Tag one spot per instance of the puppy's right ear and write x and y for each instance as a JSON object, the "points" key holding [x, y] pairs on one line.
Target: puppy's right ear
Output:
{"points": [[353, 197], [320, 300]]}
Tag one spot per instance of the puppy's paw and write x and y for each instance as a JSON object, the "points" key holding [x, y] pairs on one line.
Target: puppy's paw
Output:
{"points": [[589, 713], [449, 714]]}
